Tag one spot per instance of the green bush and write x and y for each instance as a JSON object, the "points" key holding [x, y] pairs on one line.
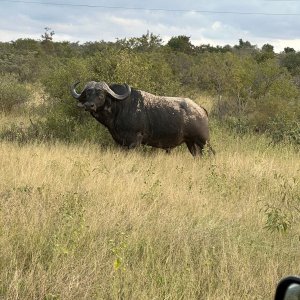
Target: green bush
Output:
{"points": [[281, 130], [252, 96], [71, 129], [12, 92], [22, 58], [61, 118], [254, 90], [57, 128], [143, 70], [239, 126]]}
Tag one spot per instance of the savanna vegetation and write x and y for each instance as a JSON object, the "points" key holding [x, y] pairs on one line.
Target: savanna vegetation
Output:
{"points": [[81, 218]]}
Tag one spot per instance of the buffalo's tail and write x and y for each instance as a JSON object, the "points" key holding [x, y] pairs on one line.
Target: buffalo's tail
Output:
{"points": [[210, 148]]}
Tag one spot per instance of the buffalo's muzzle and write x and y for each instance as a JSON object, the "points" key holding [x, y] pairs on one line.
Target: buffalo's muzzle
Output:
{"points": [[90, 106]]}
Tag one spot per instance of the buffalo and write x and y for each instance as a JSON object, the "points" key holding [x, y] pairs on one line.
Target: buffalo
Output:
{"points": [[134, 117]]}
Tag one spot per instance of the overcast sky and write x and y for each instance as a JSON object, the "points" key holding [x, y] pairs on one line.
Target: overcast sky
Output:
{"points": [[216, 22]]}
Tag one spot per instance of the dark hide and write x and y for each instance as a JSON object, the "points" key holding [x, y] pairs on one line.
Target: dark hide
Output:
{"points": [[143, 118]]}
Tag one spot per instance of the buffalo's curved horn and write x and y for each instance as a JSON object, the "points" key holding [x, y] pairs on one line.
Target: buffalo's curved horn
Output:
{"points": [[73, 90], [118, 96]]}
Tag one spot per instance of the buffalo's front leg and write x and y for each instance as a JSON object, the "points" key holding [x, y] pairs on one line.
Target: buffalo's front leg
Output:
{"points": [[136, 142]]}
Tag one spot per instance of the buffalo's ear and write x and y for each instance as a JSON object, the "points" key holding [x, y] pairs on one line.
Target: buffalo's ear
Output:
{"points": [[108, 102], [82, 96]]}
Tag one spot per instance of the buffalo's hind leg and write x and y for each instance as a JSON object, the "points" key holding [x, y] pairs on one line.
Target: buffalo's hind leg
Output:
{"points": [[192, 148], [201, 144], [211, 149], [201, 148]]}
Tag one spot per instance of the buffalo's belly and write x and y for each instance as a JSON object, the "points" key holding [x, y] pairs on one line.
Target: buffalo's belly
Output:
{"points": [[165, 130], [164, 143]]}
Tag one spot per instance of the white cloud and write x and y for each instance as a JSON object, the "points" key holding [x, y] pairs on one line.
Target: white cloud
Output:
{"points": [[216, 25], [91, 24], [279, 45], [12, 35], [129, 23]]}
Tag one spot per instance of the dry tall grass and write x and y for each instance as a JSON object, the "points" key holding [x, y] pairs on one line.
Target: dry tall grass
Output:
{"points": [[78, 222]]}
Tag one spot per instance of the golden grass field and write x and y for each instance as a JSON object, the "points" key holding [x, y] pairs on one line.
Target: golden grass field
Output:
{"points": [[78, 221], [82, 222]]}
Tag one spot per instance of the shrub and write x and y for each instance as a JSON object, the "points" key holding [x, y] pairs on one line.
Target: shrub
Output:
{"points": [[72, 129], [252, 96], [281, 130], [146, 71], [57, 128], [61, 118], [12, 93]]}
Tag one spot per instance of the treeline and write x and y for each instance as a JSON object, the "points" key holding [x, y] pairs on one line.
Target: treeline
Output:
{"points": [[254, 89]]}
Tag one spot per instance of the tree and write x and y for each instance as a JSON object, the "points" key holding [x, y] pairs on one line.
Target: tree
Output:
{"points": [[267, 52], [245, 47], [48, 35], [268, 48], [289, 50], [291, 60], [47, 40], [26, 45], [147, 42], [181, 43], [213, 49]]}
